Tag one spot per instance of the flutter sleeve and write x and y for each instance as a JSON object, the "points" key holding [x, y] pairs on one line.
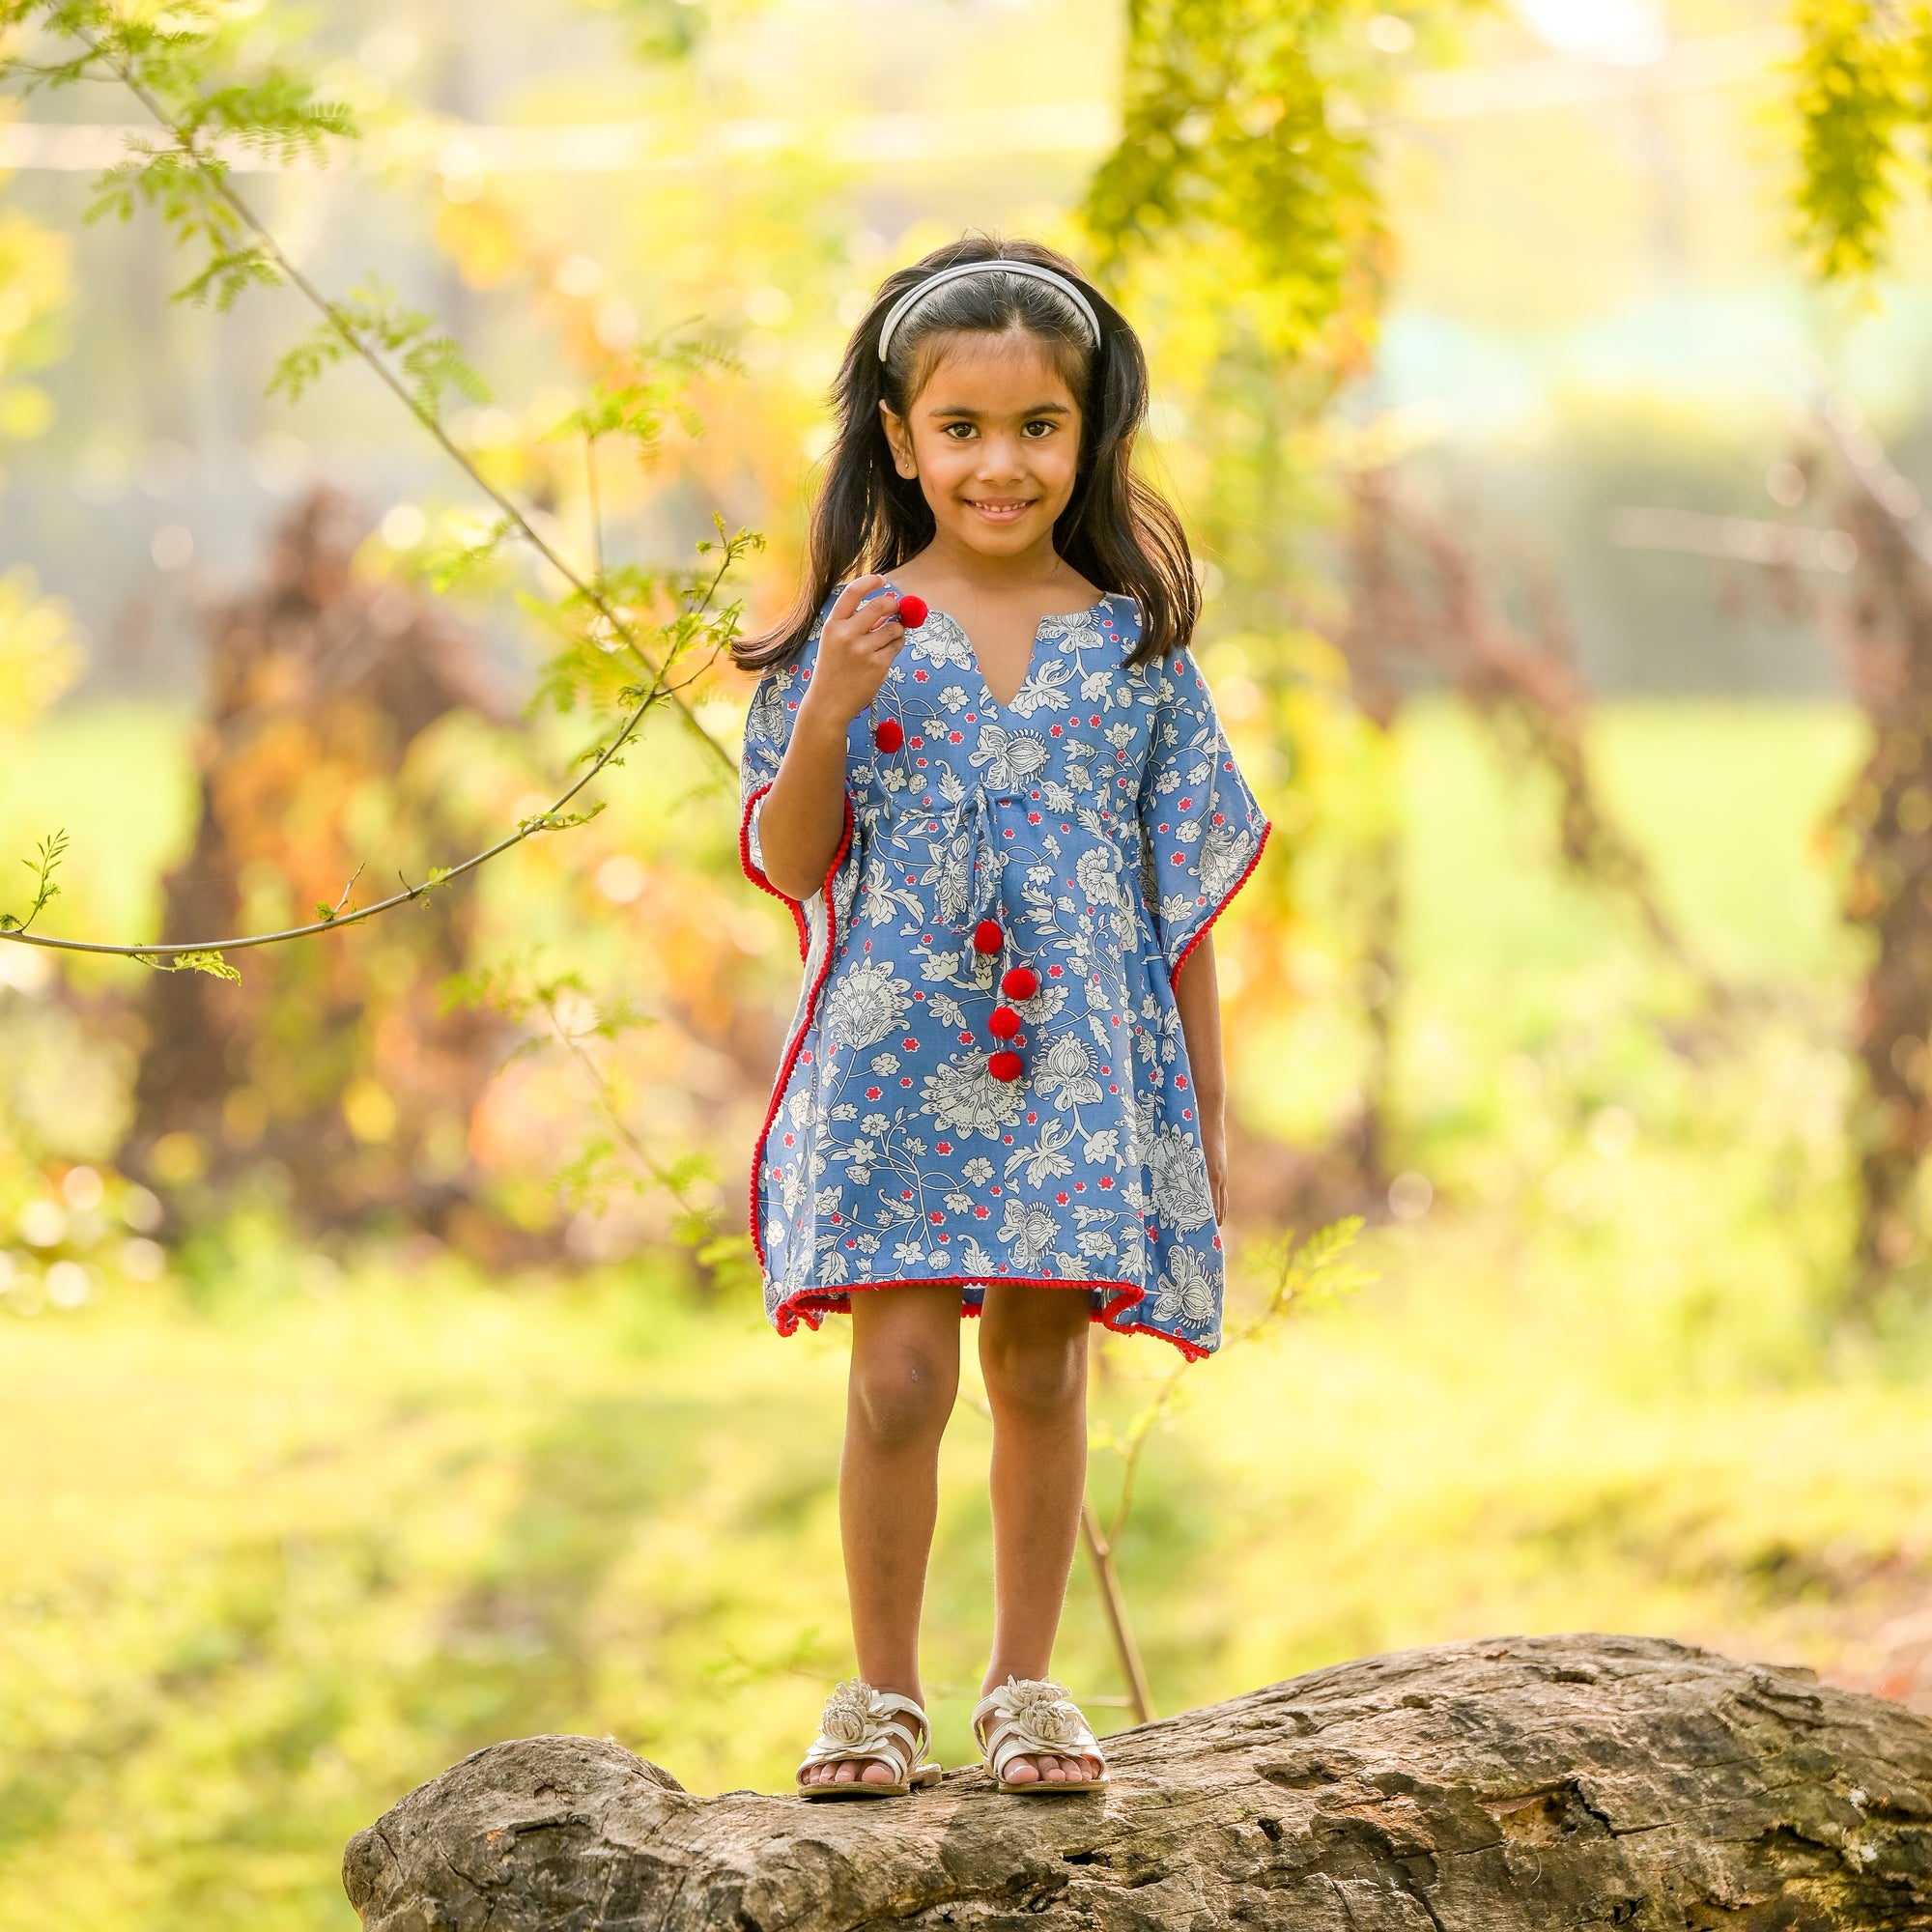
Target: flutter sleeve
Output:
{"points": [[768, 728], [1202, 831]]}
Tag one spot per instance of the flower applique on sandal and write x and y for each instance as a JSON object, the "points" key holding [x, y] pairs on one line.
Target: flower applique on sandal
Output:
{"points": [[1034, 1717], [860, 1726]]}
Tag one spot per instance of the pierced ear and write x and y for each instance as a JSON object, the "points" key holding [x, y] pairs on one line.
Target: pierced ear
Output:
{"points": [[898, 440]]}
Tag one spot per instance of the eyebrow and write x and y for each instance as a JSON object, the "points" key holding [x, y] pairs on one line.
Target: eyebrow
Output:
{"points": [[1035, 410]]}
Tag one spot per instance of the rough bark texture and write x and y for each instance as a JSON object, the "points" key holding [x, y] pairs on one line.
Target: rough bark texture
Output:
{"points": [[1573, 1782]]}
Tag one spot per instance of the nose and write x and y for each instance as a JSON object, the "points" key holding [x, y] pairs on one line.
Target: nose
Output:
{"points": [[1000, 459]]}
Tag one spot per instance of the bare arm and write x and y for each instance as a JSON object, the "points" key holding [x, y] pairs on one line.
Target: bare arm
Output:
{"points": [[804, 814], [1197, 994]]}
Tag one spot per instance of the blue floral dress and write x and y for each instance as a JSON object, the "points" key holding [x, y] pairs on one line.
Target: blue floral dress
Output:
{"points": [[985, 1078]]}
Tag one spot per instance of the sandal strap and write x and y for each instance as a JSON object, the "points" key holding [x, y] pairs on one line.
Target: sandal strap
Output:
{"points": [[860, 1724], [1033, 1717]]}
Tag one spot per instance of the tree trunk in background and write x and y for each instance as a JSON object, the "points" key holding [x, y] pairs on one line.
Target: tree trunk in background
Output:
{"points": [[329, 1066], [1884, 635], [1526, 1782]]}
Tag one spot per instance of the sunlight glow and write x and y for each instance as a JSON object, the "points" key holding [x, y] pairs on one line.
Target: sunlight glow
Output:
{"points": [[1619, 33]]}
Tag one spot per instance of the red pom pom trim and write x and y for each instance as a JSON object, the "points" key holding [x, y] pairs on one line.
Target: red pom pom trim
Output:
{"points": [[1004, 1064], [1021, 983], [1004, 1023], [914, 611], [987, 936], [889, 734]]}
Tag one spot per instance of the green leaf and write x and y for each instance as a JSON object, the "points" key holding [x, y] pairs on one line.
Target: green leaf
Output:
{"points": [[44, 865], [1861, 79], [210, 962], [369, 321]]}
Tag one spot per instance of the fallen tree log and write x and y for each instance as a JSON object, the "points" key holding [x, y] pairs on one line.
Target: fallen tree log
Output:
{"points": [[1526, 1782]]}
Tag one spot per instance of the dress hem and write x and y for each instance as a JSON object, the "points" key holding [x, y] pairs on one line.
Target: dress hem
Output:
{"points": [[1227, 899], [811, 1306], [809, 1008], [757, 873]]}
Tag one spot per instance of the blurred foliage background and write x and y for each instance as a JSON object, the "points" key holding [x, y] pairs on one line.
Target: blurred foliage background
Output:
{"points": [[380, 1371]]}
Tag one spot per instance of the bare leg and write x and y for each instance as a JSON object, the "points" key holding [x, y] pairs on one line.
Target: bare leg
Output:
{"points": [[1032, 1352], [905, 1378]]}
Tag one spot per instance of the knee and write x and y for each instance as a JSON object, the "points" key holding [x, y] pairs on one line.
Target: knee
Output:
{"points": [[903, 1395], [1037, 1378]]}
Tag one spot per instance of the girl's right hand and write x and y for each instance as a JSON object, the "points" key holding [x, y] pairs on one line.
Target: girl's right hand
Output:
{"points": [[855, 652]]}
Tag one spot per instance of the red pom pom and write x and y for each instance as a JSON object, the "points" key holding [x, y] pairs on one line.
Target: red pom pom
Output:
{"points": [[1004, 1023], [987, 936], [1004, 1064], [914, 611], [1021, 983], [889, 734]]}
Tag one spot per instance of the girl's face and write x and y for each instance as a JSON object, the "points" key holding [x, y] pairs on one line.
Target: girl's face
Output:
{"points": [[994, 438]]}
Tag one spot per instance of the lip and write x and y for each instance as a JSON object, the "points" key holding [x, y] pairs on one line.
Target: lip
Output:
{"points": [[1005, 512]]}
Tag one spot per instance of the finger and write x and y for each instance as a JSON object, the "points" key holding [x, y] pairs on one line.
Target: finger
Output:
{"points": [[850, 598], [855, 594]]}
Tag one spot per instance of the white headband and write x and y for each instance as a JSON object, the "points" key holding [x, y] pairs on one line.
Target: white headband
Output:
{"points": [[918, 293]]}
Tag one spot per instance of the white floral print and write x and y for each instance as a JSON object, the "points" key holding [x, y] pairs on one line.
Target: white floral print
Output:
{"points": [[1097, 823], [866, 1005], [1030, 1232], [1011, 757], [1065, 1075], [1097, 873], [964, 1099], [1180, 1170], [1188, 1293]]}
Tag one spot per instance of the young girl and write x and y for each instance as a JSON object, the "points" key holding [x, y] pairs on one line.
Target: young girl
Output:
{"points": [[992, 788]]}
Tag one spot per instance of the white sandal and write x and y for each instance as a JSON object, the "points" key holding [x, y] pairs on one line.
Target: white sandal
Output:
{"points": [[860, 1726], [1036, 1718]]}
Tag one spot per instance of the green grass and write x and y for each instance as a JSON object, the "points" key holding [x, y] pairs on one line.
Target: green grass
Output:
{"points": [[271, 1556], [118, 779]]}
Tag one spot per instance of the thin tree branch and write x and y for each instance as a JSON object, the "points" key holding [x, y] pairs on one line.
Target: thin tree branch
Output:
{"points": [[544, 821], [1874, 471], [217, 180], [1114, 1599], [662, 686]]}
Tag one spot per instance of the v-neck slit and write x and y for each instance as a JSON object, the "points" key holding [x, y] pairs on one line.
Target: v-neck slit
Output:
{"points": [[1001, 704]]}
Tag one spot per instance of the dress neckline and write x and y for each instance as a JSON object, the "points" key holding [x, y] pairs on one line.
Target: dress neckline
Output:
{"points": [[1033, 649]]}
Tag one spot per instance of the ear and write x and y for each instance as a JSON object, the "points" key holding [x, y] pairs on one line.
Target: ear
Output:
{"points": [[900, 435]]}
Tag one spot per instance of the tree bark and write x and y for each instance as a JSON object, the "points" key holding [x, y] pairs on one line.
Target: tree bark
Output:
{"points": [[1525, 1782]]}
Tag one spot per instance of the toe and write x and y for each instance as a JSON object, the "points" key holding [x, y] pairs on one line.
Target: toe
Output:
{"points": [[878, 1772], [1023, 1771], [845, 1773]]}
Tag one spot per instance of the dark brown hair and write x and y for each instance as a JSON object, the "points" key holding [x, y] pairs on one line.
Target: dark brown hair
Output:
{"points": [[1115, 529]]}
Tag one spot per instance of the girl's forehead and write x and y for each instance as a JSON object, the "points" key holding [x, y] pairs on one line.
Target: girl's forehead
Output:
{"points": [[993, 373]]}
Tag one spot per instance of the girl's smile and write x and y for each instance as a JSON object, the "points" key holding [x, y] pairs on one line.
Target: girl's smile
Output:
{"points": [[994, 440]]}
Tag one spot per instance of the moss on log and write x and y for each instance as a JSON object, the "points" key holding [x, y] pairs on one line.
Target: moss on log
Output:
{"points": [[1524, 1782]]}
